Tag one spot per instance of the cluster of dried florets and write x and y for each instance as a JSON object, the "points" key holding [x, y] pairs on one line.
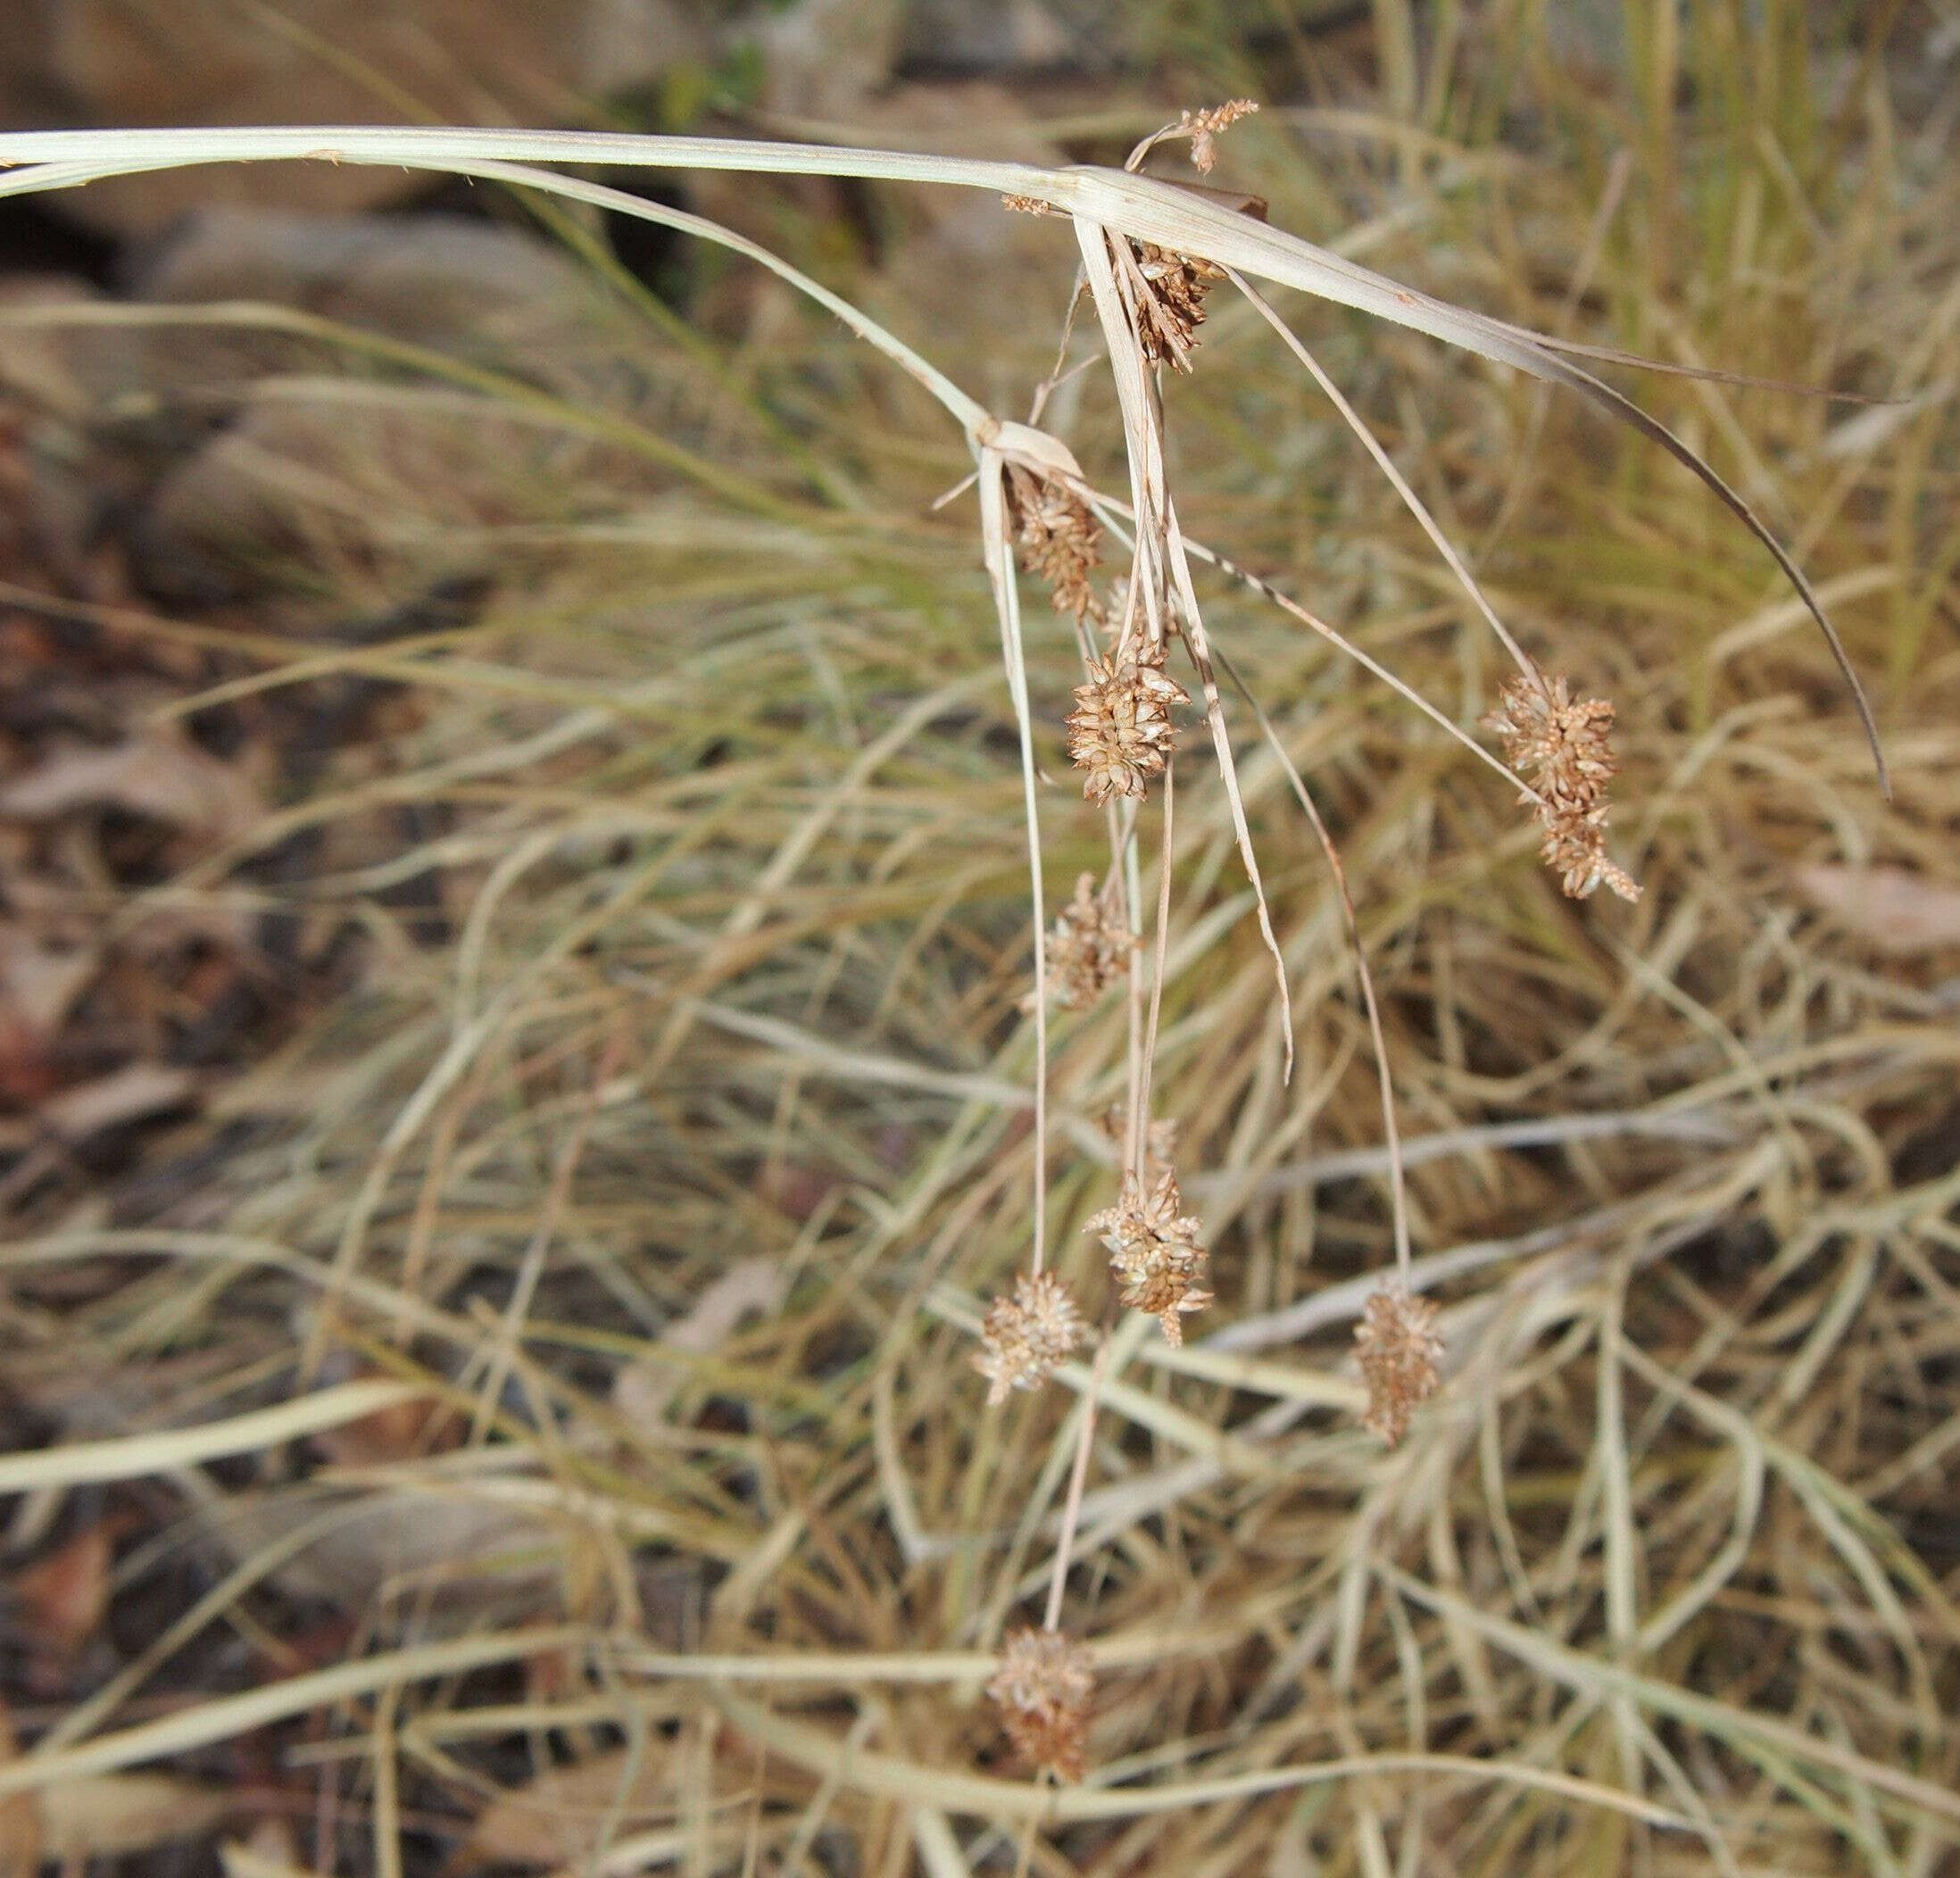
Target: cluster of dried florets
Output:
{"points": [[1027, 1335], [1120, 731], [1202, 128], [1089, 950], [1564, 750], [1043, 1687], [1058, 538], [1397, 1348], [1171, 308], [1155, 1251]]}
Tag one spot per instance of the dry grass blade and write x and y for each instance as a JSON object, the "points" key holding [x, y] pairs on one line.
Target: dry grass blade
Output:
{"points": [[887, 1775], [223, 1718], [1136, 206], [1160, 566], [1750, 1731], [131, 1457]]}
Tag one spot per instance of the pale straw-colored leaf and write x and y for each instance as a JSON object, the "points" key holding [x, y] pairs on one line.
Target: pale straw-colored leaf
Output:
{"points": [[1143, 208]]}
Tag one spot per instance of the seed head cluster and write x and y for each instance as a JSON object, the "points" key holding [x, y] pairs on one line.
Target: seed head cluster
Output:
{"points": [[1155, 1251], [1026, 1335], [1564, 750], [1120, 732], [1058, 538], [1397, 1348], [1202, 128], [1089, 950], [1172, 307], [1043, 1687]]}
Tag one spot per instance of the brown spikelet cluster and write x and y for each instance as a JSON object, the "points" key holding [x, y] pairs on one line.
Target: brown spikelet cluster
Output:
{"points": [[1026, 1335], [1025, 205], [1043, 1688], [1564, 750], [1057, 537], [1120, 731], [1155, 1251], [1089, 950], [1397, 1349], [1202, 128], [1171, 308]]}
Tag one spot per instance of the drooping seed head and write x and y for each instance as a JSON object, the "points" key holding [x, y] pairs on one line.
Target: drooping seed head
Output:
{"points": [[1043, 1687], [1155, 1251], [1202, 128], [1056, 538], [1027, 1334], [1564, 748], [1120, 733], [1089, 950], [1172, 307], [1397, 1349]]}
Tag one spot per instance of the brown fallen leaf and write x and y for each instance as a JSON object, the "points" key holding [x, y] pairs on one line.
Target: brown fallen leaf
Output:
{"points": [[126, 1095], [20, 1814], [642, 1390], [158, 773], [27, 1071], [555, 1820], [111, 1816], [1893, 909], [62, 1597], [402, 1430]]}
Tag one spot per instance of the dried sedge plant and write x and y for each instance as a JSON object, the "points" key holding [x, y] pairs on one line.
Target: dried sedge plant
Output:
{"points": [[1118, 622], [1171, 287], [1173, 301], [1056, 536], [1150, 254], [1203, 127], [1159, 1140], [1120, 733]]}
